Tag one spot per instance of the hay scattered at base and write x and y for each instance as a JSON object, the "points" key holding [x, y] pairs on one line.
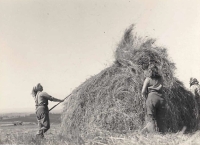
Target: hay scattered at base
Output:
{"points": [[111, 102]]}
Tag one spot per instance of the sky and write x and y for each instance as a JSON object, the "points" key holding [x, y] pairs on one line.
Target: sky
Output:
{"points": [[61, 43]]}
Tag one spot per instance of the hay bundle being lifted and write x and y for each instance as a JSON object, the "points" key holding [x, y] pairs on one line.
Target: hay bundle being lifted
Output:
{"points": [[111, 101]]}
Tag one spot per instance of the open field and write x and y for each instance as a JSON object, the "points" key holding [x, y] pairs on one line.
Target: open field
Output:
{"points": [[27, 120], [26, 135]]}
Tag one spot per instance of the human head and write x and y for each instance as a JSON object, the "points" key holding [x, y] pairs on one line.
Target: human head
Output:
{"points": [[37, 88], [153, 71], [193, 81]]}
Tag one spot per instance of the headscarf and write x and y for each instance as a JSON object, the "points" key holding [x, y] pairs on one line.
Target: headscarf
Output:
{"points": [[36, 89], [193, 81]]}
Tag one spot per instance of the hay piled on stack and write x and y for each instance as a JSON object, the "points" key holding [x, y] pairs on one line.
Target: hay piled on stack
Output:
{"points": [[111, 101]]}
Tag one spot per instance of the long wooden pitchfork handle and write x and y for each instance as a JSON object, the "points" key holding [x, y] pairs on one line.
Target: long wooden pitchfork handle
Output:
{"points": [[59, 102]]}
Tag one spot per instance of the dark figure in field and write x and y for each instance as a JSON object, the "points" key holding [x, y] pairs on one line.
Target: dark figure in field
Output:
{"points": [[195, 89], [155, 103], [42, 111]]}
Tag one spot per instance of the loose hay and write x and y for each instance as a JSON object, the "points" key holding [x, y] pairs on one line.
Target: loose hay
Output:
{"points": [[111, 102]]}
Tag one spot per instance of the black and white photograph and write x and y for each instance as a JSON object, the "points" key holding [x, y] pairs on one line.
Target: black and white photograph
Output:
{"points": [[99, 72]]}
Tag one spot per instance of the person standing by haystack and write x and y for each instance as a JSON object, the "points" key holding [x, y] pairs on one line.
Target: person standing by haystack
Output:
{"points": [[155, 103], [195, 89], [42, 111]]}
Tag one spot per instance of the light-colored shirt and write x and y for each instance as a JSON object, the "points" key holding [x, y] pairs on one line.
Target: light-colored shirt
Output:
{"points": [[42, 98], [152, 85], [195, 89]]}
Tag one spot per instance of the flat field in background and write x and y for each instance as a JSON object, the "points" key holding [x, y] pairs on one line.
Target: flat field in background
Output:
{"points": [[25, 134], [26, 119]]}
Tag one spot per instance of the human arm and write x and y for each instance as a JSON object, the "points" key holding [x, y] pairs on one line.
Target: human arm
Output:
{"points": [[144, 88], [50, 98], [56, 100]]}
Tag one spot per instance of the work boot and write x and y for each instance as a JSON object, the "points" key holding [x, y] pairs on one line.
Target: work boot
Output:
{"points": [[40, 134]]}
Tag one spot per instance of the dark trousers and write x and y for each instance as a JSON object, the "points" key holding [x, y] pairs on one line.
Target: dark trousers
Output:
{"points": [[155, 105], [42, 115]]}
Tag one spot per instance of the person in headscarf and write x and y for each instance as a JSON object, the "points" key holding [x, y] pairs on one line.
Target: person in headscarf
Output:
{"points": [[155, 103], [42, 112], [195, 89]]}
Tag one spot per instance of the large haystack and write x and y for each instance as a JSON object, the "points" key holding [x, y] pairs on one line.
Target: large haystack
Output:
{"points": [[111, 101]]}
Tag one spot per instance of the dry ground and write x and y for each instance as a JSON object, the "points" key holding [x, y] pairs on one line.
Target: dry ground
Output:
{"points": [[25, 135]]}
